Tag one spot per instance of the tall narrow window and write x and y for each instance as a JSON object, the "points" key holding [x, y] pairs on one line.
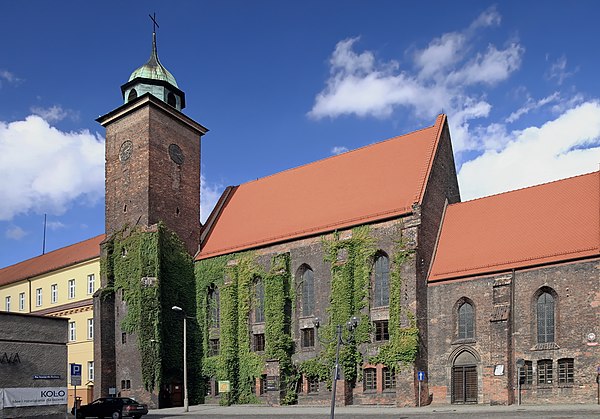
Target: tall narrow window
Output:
{"points": [[259, 301], [91, 370], [381, 287], [71, 289], [466, 321], [22, 301], [527, 373], [72, 332], [389, 379], [214, 306], [38, 297], [307, 337], [259, 342], [544, 367], [53, 293], [545, 318], [308, 292], [90, 328], [91, 283], [566, 367], [7, 303]]}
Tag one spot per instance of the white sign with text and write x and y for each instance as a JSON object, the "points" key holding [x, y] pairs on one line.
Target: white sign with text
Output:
{"points": [[36, 396]]}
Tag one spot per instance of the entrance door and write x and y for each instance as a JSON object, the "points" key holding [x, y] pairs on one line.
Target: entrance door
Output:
{"points": [[464, 379]]}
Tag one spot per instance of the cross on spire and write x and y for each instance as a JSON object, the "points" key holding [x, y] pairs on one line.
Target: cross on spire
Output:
{"points": [[154, 22]]}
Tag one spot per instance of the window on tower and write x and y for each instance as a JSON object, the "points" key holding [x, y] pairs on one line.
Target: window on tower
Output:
{"points": [[132, 95]]}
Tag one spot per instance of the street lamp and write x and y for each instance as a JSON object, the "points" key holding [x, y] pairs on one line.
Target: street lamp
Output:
{"points": [[339, 340], [185, 390]]}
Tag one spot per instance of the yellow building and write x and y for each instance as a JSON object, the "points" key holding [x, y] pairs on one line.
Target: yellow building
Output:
{"points": [[60, 284]]}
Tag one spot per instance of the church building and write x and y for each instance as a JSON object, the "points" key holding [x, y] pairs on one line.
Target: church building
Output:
{"points": [[368, 258]]}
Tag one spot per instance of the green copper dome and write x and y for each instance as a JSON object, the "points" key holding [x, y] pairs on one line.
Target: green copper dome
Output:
{"points": [[153, 69]]}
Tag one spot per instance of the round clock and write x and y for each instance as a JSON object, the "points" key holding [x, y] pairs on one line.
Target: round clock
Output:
{"points": [[176, 154], [125, 150]]}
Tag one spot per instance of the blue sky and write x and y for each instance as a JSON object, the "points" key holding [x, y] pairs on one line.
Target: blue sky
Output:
{"points": [[281, 83]]}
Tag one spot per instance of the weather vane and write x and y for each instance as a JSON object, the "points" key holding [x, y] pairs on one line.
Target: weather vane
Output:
{"points": [[154, 22]]}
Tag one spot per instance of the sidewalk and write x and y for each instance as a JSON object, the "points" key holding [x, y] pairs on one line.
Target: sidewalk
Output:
{"points": [[260, 410]]}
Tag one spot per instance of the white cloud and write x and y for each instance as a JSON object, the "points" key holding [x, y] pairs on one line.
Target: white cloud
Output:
{"points": [[532, 105], [444, 79], [8, 77], [46, 170], [15, 233], [566, 146], [558, 71], [55, 225], [338, 150], [209, 196], [55, 113]]}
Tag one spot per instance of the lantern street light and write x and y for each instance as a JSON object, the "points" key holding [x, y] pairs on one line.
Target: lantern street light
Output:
{"points": [[339, 340], [185, 390]]}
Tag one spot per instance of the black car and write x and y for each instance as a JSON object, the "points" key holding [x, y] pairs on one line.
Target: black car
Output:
{"points": [[112, 407]]}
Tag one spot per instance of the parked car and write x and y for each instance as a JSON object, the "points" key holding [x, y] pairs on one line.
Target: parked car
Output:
{"points": [[111, 407]]}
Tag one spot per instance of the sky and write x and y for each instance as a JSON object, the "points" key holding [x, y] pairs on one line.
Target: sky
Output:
{"points": [[280, 84]]}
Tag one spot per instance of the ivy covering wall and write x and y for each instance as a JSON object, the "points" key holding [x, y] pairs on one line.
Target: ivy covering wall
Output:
{"points": [[152, 272]]}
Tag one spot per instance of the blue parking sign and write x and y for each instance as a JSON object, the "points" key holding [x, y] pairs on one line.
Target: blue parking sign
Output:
{"points": [[75, 370], [421, 375]]}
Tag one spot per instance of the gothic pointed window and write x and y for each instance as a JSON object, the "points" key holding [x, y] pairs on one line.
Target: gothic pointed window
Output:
{"points": [[466, 321], [545, 318], [381, 286], [259, 301], [308, 292], [132, 95]]}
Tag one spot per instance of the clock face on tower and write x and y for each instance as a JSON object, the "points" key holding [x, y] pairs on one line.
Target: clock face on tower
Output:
{"points": [[176, 154], [125, 151]]}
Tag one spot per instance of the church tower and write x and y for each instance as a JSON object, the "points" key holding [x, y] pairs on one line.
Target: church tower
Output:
{"points": [[153, 156], [152, 211]]}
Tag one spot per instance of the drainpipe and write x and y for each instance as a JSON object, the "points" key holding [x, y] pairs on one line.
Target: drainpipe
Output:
{"points": [[511, 350], [29, 300]]}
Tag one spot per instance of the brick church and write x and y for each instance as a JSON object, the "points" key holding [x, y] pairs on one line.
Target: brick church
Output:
{"points": [[432, 300]]}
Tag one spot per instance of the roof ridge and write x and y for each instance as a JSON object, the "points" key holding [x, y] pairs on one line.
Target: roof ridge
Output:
{"points": [[376, 143], [525, 187]]}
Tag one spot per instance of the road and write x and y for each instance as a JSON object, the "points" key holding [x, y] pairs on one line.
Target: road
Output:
{"points": [[360, 412]]}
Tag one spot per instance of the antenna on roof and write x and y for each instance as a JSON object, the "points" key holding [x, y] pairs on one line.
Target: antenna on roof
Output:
{"points": [[44, 241]]}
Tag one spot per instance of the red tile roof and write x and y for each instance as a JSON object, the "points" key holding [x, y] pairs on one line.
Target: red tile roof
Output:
{"points": [[51, 261], [375, 182], [548, 223]]}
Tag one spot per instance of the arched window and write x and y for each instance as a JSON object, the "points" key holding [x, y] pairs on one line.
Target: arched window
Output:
{"points": [[132, 95], [308, 292], [214, 308], [381, 286], [466, 321], [171, 100], [259, 301], [545, 318]]}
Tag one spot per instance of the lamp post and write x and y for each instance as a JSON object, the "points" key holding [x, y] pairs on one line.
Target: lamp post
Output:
{"points": [[185, 390], [339, 340]]}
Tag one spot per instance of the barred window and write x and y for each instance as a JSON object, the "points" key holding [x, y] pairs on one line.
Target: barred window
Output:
{"points": [[213, 347], [544, 367], [313, 384], [466, 321], [307, 338], [308, 292], [381, 330], [545, 318], [381, 286], [259, 342], [389, 379], [566, 368], [370, 379]]}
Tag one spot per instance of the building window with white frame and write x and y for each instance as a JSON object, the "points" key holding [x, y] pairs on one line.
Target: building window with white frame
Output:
{"points": [[22, 301], [7, 303], [53, 293], [90, 328], [91, 283], [91, 370], [38, 297], [71, 289], [72, 332]]}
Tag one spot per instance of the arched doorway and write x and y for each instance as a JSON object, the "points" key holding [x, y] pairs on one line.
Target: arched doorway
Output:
{"points": [[464, 378]]}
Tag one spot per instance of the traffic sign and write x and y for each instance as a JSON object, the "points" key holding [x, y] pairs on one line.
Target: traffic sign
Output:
{"points": [[75, 374], [421, 375]]}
